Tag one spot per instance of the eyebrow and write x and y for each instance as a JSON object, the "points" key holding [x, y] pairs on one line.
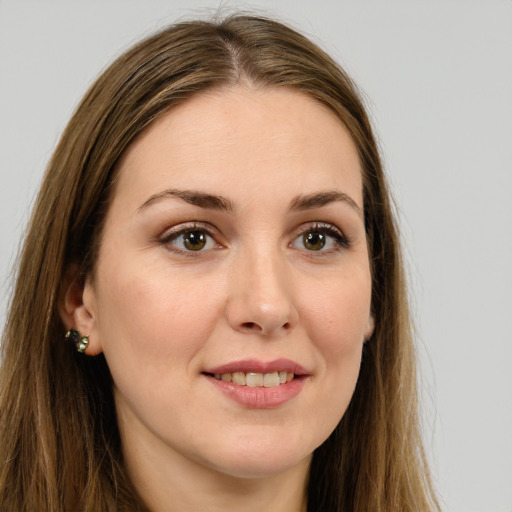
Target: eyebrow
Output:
{"points": [[196, 198], [319, 199], [215, 202]]}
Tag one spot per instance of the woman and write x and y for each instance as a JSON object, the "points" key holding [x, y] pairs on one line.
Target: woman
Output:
{"points": [[210, 311]]}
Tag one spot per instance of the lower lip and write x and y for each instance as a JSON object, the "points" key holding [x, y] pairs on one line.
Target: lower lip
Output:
{"points": [[260, 397]]}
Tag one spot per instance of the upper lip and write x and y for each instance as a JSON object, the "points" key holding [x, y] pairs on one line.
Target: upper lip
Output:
{"points": [[257, 366]]}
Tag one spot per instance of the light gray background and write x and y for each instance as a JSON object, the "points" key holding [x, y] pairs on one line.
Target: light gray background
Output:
{"points": [[438, 78]]}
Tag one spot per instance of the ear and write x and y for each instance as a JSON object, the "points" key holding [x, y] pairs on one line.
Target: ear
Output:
{"points": [[77, 308], [370, 327]]}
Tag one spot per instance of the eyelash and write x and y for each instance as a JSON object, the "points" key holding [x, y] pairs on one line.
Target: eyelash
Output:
{"points": [[340, 240]]}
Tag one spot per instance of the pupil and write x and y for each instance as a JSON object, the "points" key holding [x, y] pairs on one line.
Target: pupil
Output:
{"points": [[195, 241], [314, 241]]}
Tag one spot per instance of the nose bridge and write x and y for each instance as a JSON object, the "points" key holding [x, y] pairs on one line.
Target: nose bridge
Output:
{"points": [[261, 296]]}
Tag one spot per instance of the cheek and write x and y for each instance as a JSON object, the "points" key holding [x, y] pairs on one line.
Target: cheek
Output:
{"points": [[337, 322], [154, 318], [338, 317]]}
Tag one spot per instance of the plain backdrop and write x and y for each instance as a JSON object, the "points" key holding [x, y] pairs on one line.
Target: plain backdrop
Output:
{"points": [[437, 77]]}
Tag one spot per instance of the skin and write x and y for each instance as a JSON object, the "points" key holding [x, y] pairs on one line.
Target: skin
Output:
{"points": [[163, 314]]}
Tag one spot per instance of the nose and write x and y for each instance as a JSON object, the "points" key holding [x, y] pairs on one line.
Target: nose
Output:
{"points": [[261, 296]]}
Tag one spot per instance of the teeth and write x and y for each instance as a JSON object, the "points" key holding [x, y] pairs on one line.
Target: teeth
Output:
{"points": [[256, 380], [238, 378], [271, 380]]}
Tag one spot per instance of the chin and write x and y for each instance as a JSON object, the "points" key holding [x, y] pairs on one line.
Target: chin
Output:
{"points": [[265, 459], [256, 470]]}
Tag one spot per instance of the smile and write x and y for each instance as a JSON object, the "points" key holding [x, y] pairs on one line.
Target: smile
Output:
{"points": [[257, 384], [255, 380]]}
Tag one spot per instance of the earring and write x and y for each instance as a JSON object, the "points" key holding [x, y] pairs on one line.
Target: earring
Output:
{"points": [[80, 342]]}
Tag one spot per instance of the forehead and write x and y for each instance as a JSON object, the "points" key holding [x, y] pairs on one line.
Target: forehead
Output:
{"points": [[273, 138]]}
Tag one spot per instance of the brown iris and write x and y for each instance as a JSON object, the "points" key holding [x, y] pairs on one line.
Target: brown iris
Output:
{"points": [[194, 240], [313, 240]]}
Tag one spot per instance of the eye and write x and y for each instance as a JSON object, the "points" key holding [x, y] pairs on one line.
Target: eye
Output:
{"points": [[186, 239], [194, 241], [320, 238]]}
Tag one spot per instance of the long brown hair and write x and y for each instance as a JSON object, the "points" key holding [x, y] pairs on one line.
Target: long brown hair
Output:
{"points": [[59, 443]]}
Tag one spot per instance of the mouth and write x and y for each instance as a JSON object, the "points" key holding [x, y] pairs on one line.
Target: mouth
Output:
{"points": [[256, 384], [256, 379]]}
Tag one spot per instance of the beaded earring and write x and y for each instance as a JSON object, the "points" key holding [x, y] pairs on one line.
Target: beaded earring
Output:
{"points": [[80, 342]]}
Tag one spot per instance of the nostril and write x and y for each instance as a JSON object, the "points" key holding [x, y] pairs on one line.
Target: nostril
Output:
{"points": [[256, 327], [250, 325]]}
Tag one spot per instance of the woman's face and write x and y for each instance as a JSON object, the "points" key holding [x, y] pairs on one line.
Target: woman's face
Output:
{"points": [[233, 259]]}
